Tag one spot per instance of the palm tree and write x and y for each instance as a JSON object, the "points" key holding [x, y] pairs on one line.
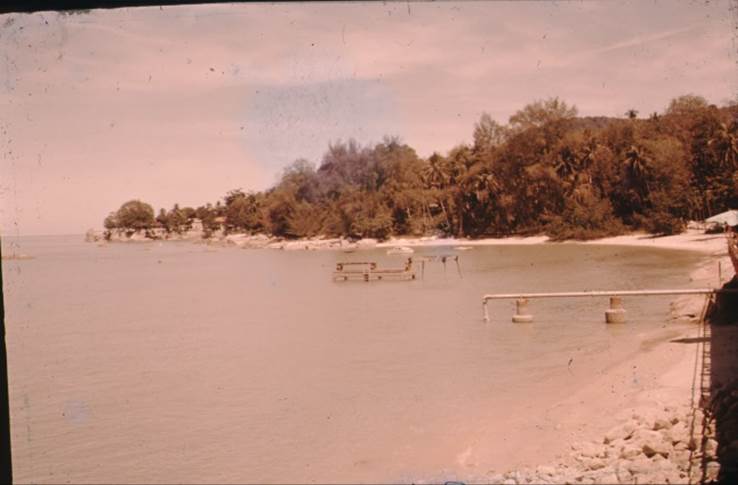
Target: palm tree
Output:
{"points": [[436, 177], [636, 163], [725, 143], [434, 174]]}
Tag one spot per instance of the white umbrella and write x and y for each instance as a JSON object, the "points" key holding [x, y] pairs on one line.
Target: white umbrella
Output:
{"points": [[728, 217]]}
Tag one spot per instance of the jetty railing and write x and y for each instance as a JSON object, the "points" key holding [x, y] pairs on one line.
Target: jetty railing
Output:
{"points": [[613, 315]]}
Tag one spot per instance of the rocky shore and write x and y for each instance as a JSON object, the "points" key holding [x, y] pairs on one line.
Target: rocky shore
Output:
{"points": [[671, 444], [244, 241]]}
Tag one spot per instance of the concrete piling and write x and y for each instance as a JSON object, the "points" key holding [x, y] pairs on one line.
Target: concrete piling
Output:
{"points": [[616, 312], [521, 311]]}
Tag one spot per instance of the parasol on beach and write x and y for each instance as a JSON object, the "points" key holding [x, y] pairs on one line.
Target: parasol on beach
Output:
{"points": [[728, 217]]}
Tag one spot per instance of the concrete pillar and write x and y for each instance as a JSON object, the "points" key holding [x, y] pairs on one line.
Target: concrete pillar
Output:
{"points": [[616, 313], [521, 312]]}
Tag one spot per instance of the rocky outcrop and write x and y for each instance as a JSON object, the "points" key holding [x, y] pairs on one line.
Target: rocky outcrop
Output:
{"points": [[93, 235], [218, 238]]}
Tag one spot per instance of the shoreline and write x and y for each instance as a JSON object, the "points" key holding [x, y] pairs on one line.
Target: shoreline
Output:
{"points": [[651, 432], [689, 240]]}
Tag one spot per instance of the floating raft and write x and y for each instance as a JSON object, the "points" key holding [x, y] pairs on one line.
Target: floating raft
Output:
{"points": [[368, 271]]}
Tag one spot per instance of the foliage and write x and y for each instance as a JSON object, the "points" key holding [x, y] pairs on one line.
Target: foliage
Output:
{"points": [[133, 215], [546, 171], [584, 217]]}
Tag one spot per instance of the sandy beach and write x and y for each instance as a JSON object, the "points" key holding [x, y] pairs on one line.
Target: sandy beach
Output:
{"points": [[691, 240]]}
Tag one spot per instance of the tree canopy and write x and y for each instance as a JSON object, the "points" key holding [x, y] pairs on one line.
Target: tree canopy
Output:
{"points": [[546, 171], [134, 215]]}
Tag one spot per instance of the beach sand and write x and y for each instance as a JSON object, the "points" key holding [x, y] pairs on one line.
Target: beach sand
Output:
{"points": [[691, 240]]}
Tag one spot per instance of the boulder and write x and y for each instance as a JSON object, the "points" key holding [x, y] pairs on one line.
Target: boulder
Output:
{"points": [[651, 442], [711, 447], [630, 451], [621, 432], [680, 458], [546, 471], [640, 466], [607, 478], [681, 445], [654, 448], [594, 464], [138, 236], [712, 470], [676, 433], [236, 239], [661, 424], [588, 450], [366, 243], [94, 236], [623, 472]]}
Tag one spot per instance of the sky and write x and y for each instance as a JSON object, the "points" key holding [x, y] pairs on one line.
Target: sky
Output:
{"points": [[181, 104]]}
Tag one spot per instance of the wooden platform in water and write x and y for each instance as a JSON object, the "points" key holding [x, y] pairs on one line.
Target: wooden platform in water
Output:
{"points": [[368, 271]]}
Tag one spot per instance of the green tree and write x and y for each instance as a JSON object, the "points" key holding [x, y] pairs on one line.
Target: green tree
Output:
{"points": [[177, 220], [686, 105], [111, 221], [542, 112], [585, 216], [243, 211], [135, 215], [488, 135], [162, 219]]}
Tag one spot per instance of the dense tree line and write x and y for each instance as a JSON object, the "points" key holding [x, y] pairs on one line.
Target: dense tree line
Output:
{"points": [[546, 171]]}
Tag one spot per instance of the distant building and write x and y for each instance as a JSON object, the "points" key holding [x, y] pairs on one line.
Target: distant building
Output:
{"points": [[197, 225]]}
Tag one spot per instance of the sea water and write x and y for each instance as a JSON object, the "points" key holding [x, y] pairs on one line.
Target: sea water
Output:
{"points": [[185, 363]]}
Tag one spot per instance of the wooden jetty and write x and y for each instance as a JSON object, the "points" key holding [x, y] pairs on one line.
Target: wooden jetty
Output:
{"points": [[368, 271]]}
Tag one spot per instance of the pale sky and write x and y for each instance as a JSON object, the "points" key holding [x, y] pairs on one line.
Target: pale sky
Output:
{"points": [[182, 104]]}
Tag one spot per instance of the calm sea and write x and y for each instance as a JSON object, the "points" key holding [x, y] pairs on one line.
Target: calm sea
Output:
{"points": [[183, 363]]}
